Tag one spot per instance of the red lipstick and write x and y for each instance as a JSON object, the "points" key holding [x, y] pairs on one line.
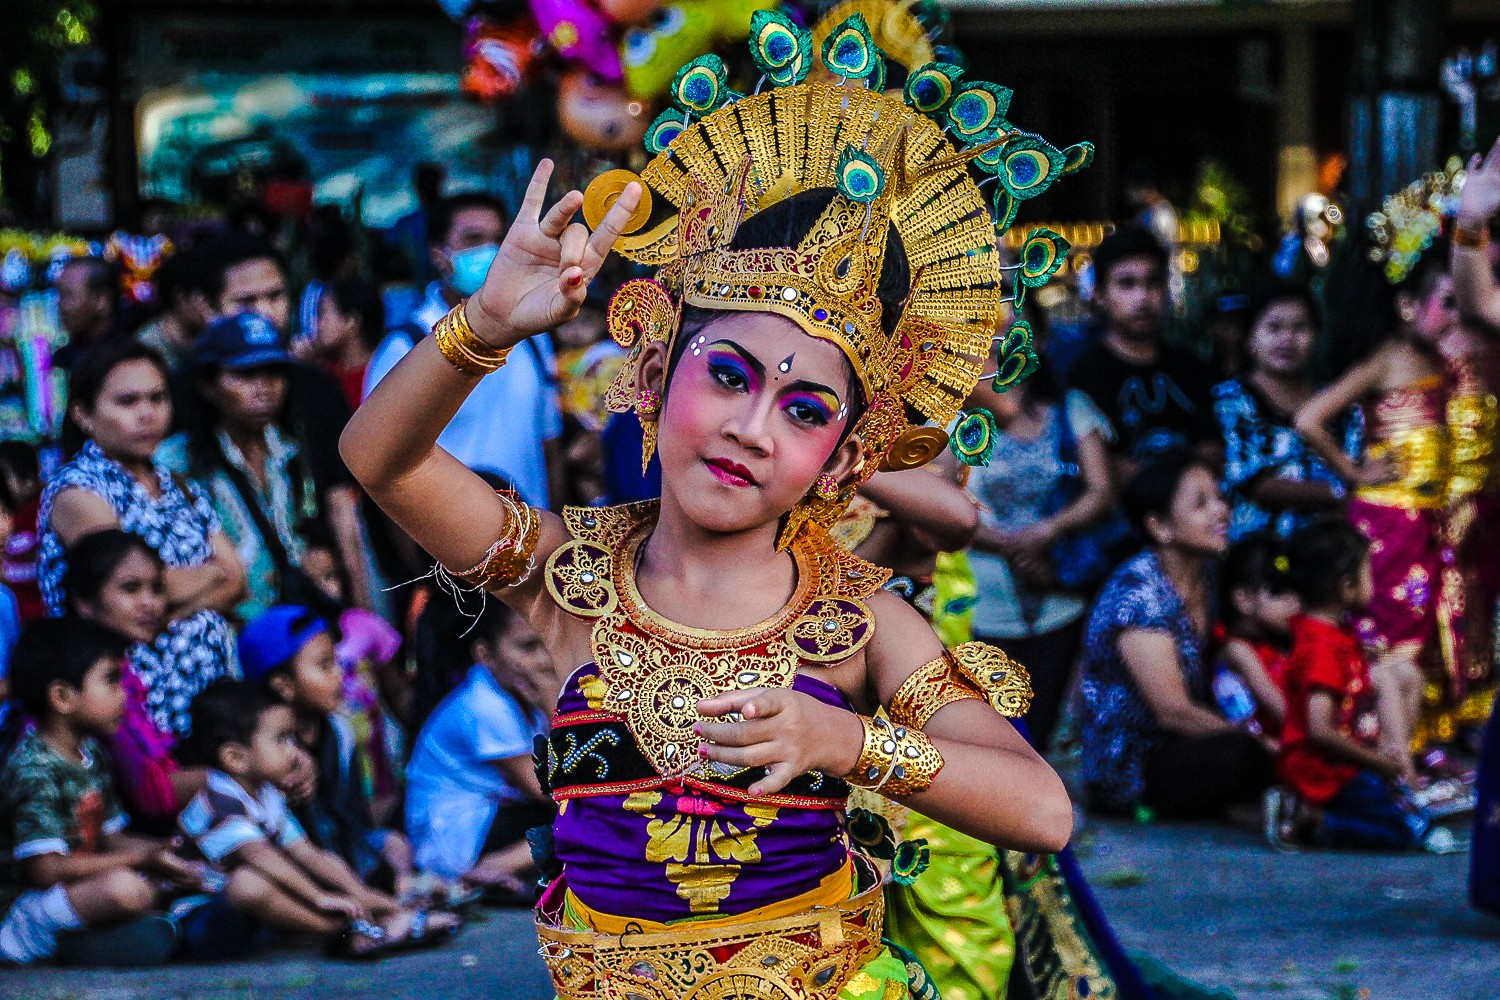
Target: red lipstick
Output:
{"points": [[730, 473]]}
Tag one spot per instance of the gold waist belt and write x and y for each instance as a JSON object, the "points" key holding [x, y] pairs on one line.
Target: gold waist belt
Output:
{"points": [[809, 956]]}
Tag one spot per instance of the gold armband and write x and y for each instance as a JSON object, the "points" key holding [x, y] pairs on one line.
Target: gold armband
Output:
{"points": [[1004, 683], [462, 347], [513, 556], [933, 685], [896, 760], [1476, 238]]}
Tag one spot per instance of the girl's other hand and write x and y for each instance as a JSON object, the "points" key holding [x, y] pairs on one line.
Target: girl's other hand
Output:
{"points": [[1480, 199], [785, 731], [541, 274]]}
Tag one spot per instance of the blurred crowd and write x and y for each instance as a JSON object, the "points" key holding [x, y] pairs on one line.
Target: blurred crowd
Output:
{"points": [[1252, 574]]}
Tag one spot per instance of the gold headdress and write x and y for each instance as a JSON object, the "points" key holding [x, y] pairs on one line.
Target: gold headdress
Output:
{"points": [[906, 162], [1410, 219]]}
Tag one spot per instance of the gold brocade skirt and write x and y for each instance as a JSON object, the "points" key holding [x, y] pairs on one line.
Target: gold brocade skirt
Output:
{"points": [[823, 953]]}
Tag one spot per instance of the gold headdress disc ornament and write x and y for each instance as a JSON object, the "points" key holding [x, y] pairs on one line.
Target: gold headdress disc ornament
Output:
{"points": [[887, 164]]}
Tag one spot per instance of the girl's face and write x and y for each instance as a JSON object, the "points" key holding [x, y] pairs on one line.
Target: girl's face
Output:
{"points": [[133, 601], [755, 411], [1272, 611], [335, 327], [1197, 523], [317, 679], [1281, 341], [132, 414], [1435, 315], [520, 662], [250, 400]]}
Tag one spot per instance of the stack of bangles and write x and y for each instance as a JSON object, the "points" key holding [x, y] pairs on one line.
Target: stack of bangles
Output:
{"points": [[512, 558], [462, 347], [895, 761]]}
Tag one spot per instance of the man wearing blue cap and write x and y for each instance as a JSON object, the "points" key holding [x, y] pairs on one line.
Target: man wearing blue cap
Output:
{"points": [[263, 491]]}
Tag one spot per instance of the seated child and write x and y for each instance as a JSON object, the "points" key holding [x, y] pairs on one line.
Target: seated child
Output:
{"points": [[1256, 608], [67, 863], [116, 580], [275, 878], [289, 651], [376, 691], [10, 610], [1344, 790], [471, 789]]}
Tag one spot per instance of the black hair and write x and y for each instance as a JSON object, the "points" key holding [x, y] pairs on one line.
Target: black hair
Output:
{"points": [[182, 274], [1285, 291], [58, 650], [227, 711], [1323, 556], [786, 224], [331, 242], [93, 370], [1257, 563], [1152, 488], [93, 559], [358, 297], [440, 219], [229, 250], [1130, 241], [101, 277], [20, 459], [1368, 313]]}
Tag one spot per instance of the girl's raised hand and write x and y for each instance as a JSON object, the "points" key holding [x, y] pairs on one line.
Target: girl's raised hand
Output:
{"points": [[541, 274], [1480, 199], [786, 732]]}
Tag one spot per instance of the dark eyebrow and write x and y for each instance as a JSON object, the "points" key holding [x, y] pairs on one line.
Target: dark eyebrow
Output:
{"points": [[746, 356]]}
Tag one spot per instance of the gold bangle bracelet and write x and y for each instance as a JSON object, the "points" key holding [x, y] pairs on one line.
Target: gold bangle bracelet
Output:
{"points": [[895, 760], [1476, 238], [462, 348], [512, 558]]}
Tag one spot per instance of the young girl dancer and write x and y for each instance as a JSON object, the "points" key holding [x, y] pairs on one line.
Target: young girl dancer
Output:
{"points": [[827, 283]]}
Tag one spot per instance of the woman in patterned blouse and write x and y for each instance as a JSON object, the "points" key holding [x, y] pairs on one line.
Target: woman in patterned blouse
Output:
{"points": [[119, 414], [1152, 734], [1273, 480]]}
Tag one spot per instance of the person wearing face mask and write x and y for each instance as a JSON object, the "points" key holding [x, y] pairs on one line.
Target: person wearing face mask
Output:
{"points": [[1274, 482], [509, 424]]}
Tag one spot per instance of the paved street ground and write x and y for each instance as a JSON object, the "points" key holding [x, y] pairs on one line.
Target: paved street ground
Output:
{"points": [[1212, 903]]}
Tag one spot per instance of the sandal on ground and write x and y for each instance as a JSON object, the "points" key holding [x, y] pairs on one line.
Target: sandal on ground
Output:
{"points": [[507, 891], [425, 930], [140, 942]]}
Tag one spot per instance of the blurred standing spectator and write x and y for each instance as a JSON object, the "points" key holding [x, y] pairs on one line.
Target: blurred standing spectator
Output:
{"points": [[249, 277], [1274, 481], [182, 285], [1152, 734], [333, 253], [1155, 396], [21, 473], [256, 473], [412, 233], [117, 418], [1022, 608], [10, 611], [509, 423], [351, 323], [87, 298]]}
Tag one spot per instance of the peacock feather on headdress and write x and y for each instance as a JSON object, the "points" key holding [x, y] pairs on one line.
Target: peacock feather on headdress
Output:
{"points": [[919, 161]]}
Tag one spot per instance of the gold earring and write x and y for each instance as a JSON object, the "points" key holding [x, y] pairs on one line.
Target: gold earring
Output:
{"points": [[823, 505]]}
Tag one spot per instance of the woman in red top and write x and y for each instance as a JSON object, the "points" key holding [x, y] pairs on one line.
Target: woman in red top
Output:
{"points": [[1351, 792], [351, 322]]}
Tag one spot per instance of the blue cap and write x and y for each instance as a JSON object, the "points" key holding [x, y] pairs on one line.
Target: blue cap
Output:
{"points": [[239, 342], [274, 637]]}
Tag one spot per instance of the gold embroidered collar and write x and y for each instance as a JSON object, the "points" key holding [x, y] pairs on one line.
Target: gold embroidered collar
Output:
{"points": [[656, 671]]}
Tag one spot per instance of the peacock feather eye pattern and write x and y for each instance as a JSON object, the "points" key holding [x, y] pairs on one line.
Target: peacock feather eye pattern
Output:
{"points": [[1029, 165], [973, 440], [978, 109], [1015, 356], [1041, 255], [702, 85], [1076, 157], [850, 51], [780, 48], [859, 177], [911, 859], [1006, 207], [664, 130], [930, 89]]}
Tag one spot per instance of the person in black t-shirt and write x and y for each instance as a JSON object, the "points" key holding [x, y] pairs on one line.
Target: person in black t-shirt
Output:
{"points": [[1156, 396]]}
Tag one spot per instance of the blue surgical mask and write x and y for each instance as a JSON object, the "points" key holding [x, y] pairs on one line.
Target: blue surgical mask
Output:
{"points": [[469, 268]]}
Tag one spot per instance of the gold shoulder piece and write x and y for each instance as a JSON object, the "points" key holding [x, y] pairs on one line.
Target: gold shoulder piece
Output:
{"points": [[930, 687], [1005, 683], [581, 573]]}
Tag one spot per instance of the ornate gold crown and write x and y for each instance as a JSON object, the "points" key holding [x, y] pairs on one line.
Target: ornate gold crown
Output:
{"points": [[1410, 219], [910, 162]]}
